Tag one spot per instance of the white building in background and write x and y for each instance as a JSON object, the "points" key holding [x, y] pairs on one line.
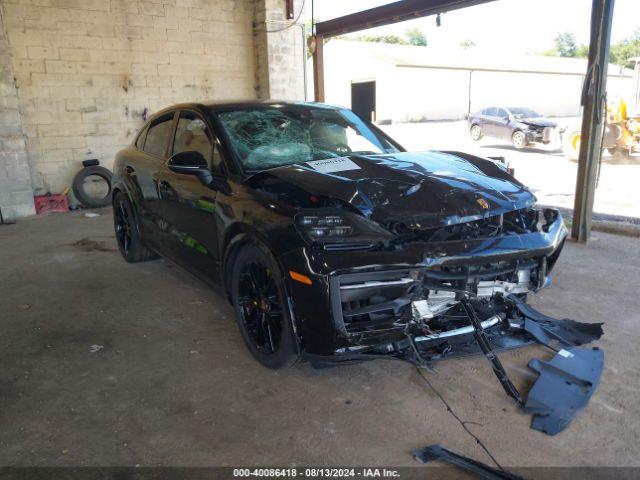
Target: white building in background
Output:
{"points": [[402, 83]]}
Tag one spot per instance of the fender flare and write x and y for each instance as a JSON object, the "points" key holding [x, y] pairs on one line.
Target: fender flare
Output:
{"points": [[245, 235], [120, 188]]}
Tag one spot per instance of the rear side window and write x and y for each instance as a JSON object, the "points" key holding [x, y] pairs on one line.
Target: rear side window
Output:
{"points": [[158, 136], [140, 139], [492, 112]]}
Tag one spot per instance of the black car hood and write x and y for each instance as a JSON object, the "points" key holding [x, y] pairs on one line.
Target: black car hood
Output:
{"points": [[538, 122], [420, 190]]}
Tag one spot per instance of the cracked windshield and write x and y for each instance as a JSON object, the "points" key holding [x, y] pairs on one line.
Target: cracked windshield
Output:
{"points": [[270, 137]]}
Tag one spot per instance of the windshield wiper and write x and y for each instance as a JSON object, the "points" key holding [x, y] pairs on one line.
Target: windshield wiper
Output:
{"points": [[365, 152]]}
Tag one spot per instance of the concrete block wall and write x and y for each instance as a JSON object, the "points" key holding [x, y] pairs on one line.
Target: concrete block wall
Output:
{"points": [[280, 51], [16, 195], [85, 70]]}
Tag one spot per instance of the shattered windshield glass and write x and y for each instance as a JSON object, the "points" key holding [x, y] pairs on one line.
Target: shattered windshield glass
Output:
{"points": [[274, 135]]}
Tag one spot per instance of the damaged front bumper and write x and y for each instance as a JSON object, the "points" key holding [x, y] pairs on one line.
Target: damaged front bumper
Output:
{"points": [[372, 295], [431, 301], [541, 134]]}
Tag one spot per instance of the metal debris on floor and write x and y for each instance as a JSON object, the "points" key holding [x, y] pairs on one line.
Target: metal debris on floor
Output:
{"points": [[565, 384], [438, 452]]}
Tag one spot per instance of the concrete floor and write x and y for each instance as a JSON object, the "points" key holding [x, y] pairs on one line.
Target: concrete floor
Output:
{"points": [[174, 385]]}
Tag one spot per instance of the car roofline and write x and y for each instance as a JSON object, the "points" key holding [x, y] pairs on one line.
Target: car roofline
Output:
{"points": [[216, 106]]}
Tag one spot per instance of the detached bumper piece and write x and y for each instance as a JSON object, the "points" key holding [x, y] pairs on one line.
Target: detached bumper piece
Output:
{"points": [[438, 452], [565, 384], [564, 387]]}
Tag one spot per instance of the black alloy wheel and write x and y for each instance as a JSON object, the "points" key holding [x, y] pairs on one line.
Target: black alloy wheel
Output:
{"points": [[126, 229], [259, 299], [262, 312], [122, 224]]}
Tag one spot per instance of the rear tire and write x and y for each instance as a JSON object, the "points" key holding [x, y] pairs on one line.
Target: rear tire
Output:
{"points": [[127, 234], [519, 139], [476, 132], [260, 301]]}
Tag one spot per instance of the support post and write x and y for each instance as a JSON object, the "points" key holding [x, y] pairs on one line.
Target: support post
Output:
{"points": [[593, 117], [317, 50]]}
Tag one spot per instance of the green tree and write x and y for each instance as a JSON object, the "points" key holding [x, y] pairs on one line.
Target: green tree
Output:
{"points": [[565, 45], [582, 51], [416, 37], [467, 44], [391, 38], [620, 54], [626, 49]]}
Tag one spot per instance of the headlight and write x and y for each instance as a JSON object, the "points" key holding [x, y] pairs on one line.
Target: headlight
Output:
{"points": [[321, 227], [338, 226]]}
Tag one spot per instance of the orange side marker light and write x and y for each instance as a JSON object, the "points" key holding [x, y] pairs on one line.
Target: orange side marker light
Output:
{"points": [[298, 277]]}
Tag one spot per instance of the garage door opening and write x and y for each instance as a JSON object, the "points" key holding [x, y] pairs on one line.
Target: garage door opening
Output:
{"points": [[363, 99]]}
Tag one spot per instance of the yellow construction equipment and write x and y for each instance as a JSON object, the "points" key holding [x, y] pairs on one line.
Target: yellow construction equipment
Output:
{"points": [[622, 128]]}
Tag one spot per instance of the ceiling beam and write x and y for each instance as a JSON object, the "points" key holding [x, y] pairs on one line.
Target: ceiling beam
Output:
{"points": [[391, 13]]}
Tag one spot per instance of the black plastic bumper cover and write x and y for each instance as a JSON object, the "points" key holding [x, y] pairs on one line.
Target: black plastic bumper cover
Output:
{"points": [[564, 387]]}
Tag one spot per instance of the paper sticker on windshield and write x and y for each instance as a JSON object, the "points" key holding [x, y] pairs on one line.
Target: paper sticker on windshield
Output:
{"points": [[332, 165]]}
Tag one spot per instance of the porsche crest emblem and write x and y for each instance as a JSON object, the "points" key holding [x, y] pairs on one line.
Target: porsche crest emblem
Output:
{"points": [[483, 203]]}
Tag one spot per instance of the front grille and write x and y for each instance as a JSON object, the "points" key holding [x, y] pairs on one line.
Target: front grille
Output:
{"points": [[372, 301], [466, 277], [516, 222], [369, 302]]}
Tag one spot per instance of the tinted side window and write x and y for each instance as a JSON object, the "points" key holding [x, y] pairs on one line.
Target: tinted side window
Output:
{"points": [[192, 135], [158, 136], [502, 113], [492, 112]]}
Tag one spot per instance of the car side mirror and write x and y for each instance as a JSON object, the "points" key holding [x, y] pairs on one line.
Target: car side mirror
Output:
{"points": [[193, 163]]}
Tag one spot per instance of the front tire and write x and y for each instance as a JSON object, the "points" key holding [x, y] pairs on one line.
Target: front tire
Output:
{"points": [[127, 235], [476, 133], [260, 302], [519, 139]]}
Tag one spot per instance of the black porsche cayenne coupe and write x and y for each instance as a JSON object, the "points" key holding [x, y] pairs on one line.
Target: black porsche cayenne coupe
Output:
{"points": [[329, 238]]}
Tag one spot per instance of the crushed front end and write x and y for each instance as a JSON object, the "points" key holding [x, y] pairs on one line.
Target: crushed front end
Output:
{"points": [[417, 299], [414, 285]]}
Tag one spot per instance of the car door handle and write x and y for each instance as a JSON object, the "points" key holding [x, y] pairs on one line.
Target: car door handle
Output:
{"points": [[129, 170]]}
